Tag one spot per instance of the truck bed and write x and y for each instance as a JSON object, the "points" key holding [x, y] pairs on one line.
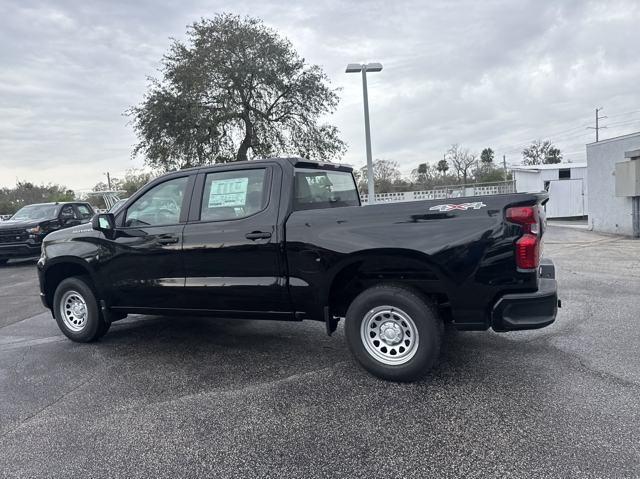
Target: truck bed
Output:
{"points": [[461, 249]]}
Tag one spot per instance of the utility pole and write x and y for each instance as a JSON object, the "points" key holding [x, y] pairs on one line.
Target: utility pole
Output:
{"points": [[108, 180], [597, 127], [504, 166]]}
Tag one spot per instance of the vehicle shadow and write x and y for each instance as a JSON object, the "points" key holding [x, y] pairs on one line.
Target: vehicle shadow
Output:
{"points": [[198, 336], [255, 347], [16, 263]]}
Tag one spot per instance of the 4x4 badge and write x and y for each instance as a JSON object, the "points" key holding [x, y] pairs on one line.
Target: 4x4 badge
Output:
{"points": [[462, 206]]}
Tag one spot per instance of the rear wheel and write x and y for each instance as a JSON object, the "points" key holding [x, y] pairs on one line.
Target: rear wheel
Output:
{"points": [[393, 332], [3, 261], [75, 308]]}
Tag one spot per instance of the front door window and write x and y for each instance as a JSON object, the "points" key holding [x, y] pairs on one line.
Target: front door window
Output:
{"points": [[159, 206]]}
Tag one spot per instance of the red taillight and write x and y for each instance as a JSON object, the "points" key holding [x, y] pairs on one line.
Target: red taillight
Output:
{"points": [[528, 252], [525, 216], [528, 245]]}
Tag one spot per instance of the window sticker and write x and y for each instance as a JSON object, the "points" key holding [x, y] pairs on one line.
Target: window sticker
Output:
{"points": [[231, 192]]}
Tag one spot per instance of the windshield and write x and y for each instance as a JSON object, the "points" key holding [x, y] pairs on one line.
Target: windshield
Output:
{"points": [[35, 212]]}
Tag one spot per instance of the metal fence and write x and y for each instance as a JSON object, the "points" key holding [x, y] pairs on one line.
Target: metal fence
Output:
{"points": [[442, 192]]}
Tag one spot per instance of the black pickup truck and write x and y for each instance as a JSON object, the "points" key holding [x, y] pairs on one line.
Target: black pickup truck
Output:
{"points": [[21, 235], [288, 239]]}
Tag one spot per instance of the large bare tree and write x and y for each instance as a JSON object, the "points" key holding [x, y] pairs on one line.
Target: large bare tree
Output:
{"points": [[462, 161], [386, 173]]}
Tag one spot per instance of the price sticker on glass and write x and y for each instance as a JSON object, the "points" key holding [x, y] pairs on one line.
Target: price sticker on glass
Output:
{"points": [[231, 192]]}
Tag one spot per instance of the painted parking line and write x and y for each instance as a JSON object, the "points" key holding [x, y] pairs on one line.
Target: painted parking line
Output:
{"points": [[19, 343]]}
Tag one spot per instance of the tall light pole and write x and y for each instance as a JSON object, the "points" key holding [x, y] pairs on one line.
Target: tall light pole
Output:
{"points": [[364, 68]]}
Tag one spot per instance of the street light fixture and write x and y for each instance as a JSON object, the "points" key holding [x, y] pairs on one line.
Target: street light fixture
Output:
{"points": [[364, 68]]}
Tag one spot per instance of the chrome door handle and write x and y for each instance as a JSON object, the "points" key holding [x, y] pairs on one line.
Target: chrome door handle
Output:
{"points": [[168, 239], [254, 235]]}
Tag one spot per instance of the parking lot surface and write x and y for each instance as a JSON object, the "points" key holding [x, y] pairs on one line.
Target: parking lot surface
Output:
{"points": [[185, 397]]}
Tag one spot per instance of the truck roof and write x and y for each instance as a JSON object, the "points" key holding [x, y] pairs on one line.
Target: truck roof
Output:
{"points": [[293, 161], [53, 203]]}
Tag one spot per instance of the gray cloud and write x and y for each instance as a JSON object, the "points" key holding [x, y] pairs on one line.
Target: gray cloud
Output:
{"points": [[493, 73]]}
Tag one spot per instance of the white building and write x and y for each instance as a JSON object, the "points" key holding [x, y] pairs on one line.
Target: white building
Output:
{"points": [[565, 182], [614, 179]]}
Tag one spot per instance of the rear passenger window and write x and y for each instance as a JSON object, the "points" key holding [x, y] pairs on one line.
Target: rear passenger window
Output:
{"points": [[229, 195], [324, 189]]}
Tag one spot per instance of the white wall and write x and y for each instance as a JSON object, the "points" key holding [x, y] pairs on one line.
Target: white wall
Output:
{"points": [[532, 181], [479, 189], [565, 200], [608, 213], [528, 181]]}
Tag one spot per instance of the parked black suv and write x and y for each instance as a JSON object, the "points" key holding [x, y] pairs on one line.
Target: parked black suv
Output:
{"points": [[21, 235]]}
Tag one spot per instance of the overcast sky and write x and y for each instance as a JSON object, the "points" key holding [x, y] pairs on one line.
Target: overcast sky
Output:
{"points": [[479, 73]]}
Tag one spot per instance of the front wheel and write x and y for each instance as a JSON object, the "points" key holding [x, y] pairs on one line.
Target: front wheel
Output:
{"points": [[75, 308], [393, 332]]}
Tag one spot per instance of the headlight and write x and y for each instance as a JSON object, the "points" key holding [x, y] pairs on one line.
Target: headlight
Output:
{"points": [[34, 231]]}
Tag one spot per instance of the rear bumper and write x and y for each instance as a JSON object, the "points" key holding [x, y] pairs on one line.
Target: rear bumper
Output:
{"points": [[513, 312], [19, 250]]}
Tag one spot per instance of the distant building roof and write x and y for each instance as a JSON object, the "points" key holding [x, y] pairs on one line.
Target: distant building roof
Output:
{"points": [[615, 138], [552, 166]]}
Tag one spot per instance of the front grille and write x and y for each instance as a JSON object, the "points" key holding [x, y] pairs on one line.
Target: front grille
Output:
{"points": [[13, 236]]}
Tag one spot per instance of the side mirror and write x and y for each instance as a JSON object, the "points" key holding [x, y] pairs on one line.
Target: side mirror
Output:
{"points": [[104, 222]]}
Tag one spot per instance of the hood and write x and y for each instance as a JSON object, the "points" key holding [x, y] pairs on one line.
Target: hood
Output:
{"points": [[19, 224]]}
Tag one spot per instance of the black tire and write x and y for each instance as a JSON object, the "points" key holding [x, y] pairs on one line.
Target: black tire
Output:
{"points": [[93, 326], [3, 261], [422, 314]]}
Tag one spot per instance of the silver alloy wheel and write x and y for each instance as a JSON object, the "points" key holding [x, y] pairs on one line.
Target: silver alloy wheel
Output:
{"points": [[389, 335], [73, 311]]}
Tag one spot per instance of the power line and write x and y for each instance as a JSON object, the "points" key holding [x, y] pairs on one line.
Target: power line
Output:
{"points": [[518, 149], [624, 113], [624, 122], [569, 134], [576, 132], [524, 143]]}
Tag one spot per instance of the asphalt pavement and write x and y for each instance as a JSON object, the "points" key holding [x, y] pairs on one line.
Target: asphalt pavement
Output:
{"points": [[192, 397]]}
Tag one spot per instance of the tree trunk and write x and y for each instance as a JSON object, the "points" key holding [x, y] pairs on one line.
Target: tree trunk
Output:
{"points": [[246, 142]]}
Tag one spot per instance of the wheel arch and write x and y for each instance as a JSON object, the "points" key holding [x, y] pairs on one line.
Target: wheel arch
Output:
{"points": [[362, 270], [62, 268]]}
